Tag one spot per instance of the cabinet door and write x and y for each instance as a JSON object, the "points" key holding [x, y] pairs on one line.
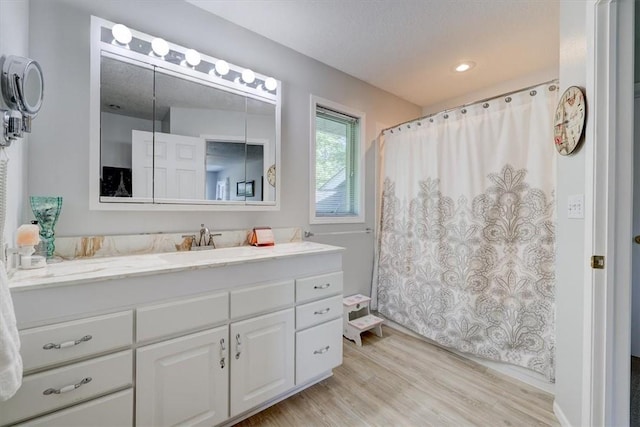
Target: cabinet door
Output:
{"points": [[184, 380], [262, 359]]}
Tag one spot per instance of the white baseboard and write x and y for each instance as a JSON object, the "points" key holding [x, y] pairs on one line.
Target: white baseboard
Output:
{"points": [[562, 418], [519, 373]]}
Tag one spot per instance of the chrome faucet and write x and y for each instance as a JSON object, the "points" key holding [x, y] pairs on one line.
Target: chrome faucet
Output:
{"points": [[206, 238]]}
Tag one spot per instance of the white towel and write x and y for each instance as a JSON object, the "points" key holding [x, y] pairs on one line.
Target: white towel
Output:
{"points": [[10, 360]]}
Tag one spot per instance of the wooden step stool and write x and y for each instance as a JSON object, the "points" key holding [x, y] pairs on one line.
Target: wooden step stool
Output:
{"points": [[354, 327]]}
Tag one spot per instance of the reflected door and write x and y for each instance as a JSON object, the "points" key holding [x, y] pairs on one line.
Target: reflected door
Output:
{"points": [[174, 169]]}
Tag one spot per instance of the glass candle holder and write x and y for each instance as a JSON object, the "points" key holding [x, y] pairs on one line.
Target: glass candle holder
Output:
{"points": [[47, 210]]}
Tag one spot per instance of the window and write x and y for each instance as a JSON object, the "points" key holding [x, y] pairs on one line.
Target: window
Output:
{"points": [[336, 163]]}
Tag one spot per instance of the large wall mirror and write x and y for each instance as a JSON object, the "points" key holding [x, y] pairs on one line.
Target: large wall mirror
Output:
{"points": [[168, 133]]}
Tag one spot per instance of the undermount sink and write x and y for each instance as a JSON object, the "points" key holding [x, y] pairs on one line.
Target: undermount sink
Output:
{"points": [[210, 255]]}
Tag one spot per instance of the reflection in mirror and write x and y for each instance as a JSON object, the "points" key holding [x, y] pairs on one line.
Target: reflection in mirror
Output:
{"points": [[261, 149], [176, 134], [225, 170], [193, 117], [126, 108]]}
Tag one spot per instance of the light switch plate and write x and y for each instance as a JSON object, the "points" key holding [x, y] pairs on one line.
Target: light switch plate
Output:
{"points": [[575, 208]]}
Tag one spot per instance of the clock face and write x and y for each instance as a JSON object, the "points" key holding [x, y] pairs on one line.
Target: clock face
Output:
{"points": [[271, 175], [569, 119]]}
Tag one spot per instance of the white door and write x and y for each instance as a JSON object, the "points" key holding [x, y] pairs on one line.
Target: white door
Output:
{"points": [[635, 307], [178, 170], [184, 380], [262, 359], [142, 164]]}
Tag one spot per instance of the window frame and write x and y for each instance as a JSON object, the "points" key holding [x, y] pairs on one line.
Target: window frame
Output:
{"points": [[360, 174]]}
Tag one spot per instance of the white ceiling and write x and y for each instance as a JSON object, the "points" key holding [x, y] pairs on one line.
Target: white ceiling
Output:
{"points": [[409, 47]]}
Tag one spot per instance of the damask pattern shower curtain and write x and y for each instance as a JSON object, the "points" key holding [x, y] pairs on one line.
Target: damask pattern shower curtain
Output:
{"points": [[466, 241]]}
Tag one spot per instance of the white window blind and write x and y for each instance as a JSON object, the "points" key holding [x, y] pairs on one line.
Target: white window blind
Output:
{"points": [[336, 144]]}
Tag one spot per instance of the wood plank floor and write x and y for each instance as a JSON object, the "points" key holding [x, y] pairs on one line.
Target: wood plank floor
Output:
{"points": [[399, 380]]}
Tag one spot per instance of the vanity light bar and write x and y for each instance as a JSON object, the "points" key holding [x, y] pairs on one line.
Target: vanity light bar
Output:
{"points": [[219, 70]]}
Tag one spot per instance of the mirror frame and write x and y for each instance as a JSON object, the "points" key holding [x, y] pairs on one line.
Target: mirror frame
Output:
{"points": [[98, 202]]}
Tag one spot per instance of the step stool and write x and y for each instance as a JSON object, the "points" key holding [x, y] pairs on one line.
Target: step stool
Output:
{"points": [[354, 327]]}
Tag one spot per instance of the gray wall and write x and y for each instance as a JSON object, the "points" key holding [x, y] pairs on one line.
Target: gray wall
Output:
{"points": [[58, 159], [570, 233], [14, 40]]}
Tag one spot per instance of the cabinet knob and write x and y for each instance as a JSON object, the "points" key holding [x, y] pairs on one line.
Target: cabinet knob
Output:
{"points": [[238, 346]]}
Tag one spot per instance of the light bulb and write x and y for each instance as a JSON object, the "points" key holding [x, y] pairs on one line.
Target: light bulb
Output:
{"points": [[270, 83], [222, 67], [248, 76], [464, 66], [192, 56], [160, 46], [122, 34]]}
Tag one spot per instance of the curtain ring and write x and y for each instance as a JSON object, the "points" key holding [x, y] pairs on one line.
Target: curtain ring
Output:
{"points": [[533, 92], [552, 88], [446, 116], [408, 126], [485, 105], [391, 130], [463, 111], [419, 124], [507, 99], [430, 120]]}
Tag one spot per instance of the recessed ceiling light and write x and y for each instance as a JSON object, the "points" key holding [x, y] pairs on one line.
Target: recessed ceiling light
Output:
{"points": [[464, 66]]}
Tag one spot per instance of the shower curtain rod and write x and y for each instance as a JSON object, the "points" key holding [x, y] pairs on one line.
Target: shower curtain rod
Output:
{"points": [[555, 81]]}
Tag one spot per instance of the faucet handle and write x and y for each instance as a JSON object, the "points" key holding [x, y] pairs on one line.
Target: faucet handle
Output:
{"points": [[187, 242], [211, 242]]}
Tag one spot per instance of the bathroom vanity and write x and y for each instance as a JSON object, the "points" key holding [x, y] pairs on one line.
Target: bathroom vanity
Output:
{"points": [[192, 338]]}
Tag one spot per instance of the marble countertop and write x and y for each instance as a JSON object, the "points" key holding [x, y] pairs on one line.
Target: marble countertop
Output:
{"points": [[97, 269]]}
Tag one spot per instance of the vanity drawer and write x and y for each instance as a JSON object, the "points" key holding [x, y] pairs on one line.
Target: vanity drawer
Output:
{"points": [[315, 287], [62, 342], [318, 350], [187, 315], [316, 312], [261, 299], [106, 373], [113, 410]]}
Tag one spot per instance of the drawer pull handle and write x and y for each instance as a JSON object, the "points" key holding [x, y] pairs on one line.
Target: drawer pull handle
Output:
{"points": [[325, 286], [223, 350], [238, 346], [66, 388], [52, 346], [325, 311], [322, 350]]}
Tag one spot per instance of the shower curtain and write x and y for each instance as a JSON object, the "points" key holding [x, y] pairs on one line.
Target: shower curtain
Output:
{"points": [[466, 246]]}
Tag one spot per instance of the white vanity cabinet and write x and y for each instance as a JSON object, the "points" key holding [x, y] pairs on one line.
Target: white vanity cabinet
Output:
{"points": [[183, 381], [261, 359], [203, 346], [71, 362], [318, 325]]}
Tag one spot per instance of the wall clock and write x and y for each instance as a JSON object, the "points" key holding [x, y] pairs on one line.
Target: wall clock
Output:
{"points": [[271, 175], [569, 120]]}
